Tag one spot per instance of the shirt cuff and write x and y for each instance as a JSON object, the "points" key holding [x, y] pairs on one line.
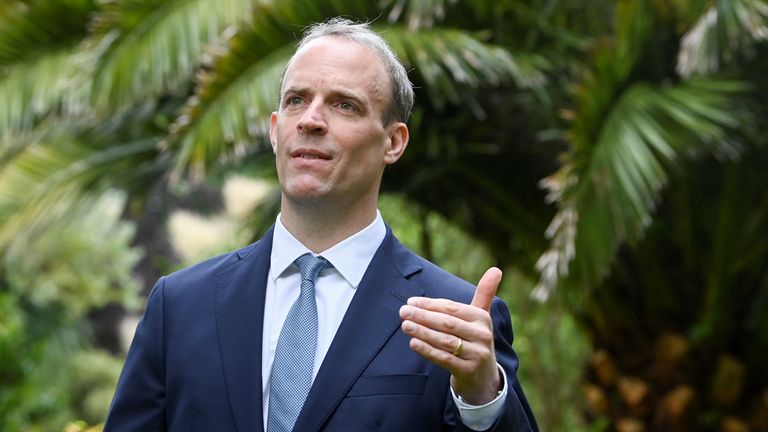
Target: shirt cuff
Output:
{"points": [[482, 417]]}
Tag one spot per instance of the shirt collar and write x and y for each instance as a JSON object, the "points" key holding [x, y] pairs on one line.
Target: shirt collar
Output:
{"points": [[350, 257]]}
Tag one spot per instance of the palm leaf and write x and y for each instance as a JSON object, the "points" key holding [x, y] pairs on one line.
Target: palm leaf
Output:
{"points": [[611, 199], [29, 28], [146, 48], [452, 63], [417, 14], [728, 29], [37, 39], [42, 182], [34, 89]]}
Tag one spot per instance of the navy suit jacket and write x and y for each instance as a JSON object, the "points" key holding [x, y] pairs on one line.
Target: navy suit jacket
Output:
{"points": [[195, 361]]}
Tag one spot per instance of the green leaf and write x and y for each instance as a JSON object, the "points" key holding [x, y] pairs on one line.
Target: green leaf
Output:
{"points": [[44, 181], [611, 199], [453, 63], [34, 89], [146, 48], [83, 263], [31, 28], [727, 30], [418, 14]]}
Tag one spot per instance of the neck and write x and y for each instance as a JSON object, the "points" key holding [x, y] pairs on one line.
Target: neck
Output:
{"points": [[320, 227]]}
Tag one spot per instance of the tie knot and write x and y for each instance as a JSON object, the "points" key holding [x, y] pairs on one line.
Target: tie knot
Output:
{"points": [[310, 266]]}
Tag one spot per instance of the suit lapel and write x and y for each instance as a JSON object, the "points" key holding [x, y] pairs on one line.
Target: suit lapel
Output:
{"points": [[370, 321], [240, 293]]}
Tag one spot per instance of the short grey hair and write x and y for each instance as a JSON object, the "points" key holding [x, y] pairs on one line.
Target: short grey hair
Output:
{"points": [[401, 102]]}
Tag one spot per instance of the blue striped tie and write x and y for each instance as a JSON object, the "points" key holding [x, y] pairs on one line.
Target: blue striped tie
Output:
{"points": [[295, 352]]}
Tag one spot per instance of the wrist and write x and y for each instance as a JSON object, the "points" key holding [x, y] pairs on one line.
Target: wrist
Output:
{"points": [[487, 392]]}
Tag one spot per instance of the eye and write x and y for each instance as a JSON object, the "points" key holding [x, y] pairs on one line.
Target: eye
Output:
{"points": [[346, 106], [293, 100]]}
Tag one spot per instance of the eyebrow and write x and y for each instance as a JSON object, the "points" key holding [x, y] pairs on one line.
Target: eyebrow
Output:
{"points": [[334, 93]]}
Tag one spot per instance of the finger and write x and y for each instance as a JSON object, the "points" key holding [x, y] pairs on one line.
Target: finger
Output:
{"points": [[447, 307], [440, 357], [439, 340], [480, 330], [486, 289], [434, 320]]}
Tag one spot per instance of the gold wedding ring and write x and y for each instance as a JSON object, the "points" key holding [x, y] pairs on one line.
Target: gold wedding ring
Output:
{"points": [[459, 348]]}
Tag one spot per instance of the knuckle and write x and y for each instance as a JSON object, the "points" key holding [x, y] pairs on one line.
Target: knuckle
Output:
{"points": [[485, 336], [484, 353], [447, 341], [452, 308]]}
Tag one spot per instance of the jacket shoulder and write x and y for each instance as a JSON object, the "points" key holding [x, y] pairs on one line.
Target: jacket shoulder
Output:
{"points": [[433, 279], [204, 273]]}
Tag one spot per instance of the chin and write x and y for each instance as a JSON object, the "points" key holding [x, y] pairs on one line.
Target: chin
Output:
{"points": [[304, 194]]}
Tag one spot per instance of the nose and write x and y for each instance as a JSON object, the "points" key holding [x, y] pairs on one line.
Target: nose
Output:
{"points": [[312, 121]]}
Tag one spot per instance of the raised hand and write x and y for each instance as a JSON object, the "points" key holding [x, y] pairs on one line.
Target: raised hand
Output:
{"points": [[459, 338]]}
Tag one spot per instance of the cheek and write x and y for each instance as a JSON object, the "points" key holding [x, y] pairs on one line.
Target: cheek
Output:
{"points": [[366, 156]]}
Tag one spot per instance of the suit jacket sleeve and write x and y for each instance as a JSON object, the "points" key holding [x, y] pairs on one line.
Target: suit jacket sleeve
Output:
{"points": [[139, 402]]}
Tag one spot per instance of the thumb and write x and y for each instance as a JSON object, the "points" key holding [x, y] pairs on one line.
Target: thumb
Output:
{"points": [[486, 289]]}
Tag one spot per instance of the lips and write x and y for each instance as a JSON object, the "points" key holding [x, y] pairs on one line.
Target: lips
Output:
{"points": [[309, 154]]}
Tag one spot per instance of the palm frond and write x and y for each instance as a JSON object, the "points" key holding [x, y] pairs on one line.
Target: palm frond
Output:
{"points": [[611, 199], [230, 108], [417, 14], [452, 63], [728, 29], [222, 123], [43, 181], [31, 90], [28, 28], [151, 47], [37, 39]]}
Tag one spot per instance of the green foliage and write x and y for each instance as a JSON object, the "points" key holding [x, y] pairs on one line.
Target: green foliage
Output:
{"points": [[615, 193], [149, 47], [614, 103], [726, 31], [37, 39], [50, 280], [92, 382], [553, 350], [78, 267], [48, 177], [633, 122]]}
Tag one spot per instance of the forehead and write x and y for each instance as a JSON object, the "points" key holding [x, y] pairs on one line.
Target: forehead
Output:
{"points": [[334, 60]]}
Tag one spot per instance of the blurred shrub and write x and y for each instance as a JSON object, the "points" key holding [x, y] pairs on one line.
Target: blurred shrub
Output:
{"points": [[49, 280], [196, 236], [92, 383], [81, 426]]}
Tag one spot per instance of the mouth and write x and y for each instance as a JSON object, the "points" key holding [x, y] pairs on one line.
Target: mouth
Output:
{"points": [[309, 154]]}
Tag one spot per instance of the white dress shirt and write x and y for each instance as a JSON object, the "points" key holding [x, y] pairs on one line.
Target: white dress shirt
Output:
{"points": [[334, 290]]}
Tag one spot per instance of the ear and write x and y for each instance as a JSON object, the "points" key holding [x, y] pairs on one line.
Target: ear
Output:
{"points": [[398, 141], [273, 131]]}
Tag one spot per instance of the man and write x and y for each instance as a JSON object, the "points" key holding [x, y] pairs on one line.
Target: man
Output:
{"points": [[328, 322]]}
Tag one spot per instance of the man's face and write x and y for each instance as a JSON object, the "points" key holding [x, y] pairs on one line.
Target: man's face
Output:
{"points": [[328, 136]]}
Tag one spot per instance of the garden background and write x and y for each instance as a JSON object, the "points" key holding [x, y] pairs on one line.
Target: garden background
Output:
{"points": [[610, 156]]}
